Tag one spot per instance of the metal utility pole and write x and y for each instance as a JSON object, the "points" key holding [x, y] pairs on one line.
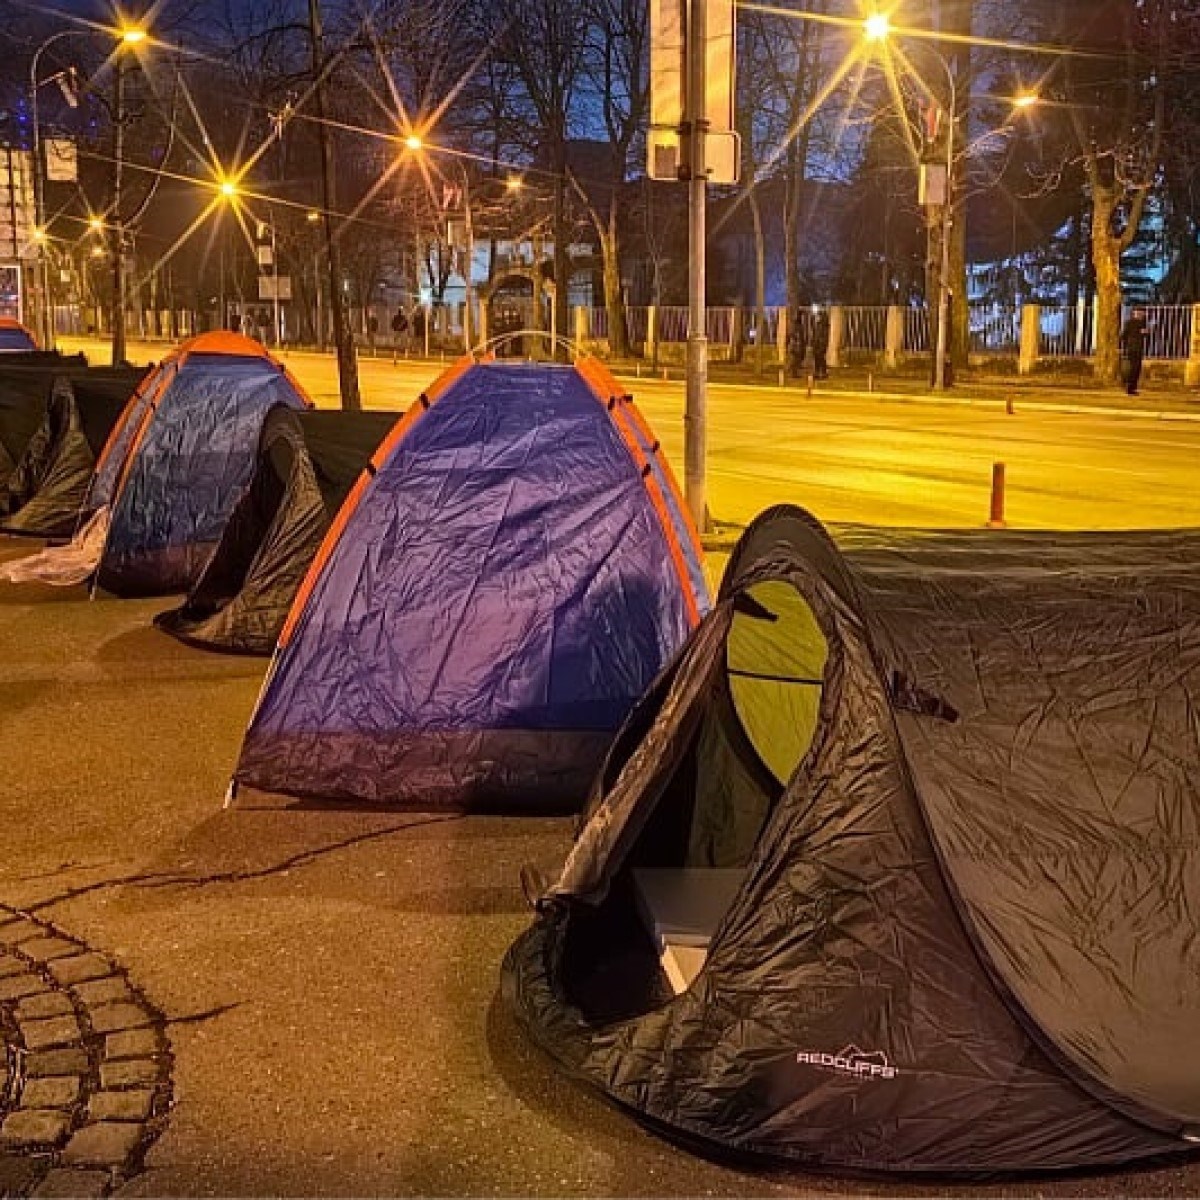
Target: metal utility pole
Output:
{"points": [[943, 330], [695, 419], [693, 137], [118, 224], [343, 339], [943, 327]]}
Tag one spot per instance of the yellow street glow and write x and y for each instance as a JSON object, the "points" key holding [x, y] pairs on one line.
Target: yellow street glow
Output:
{"points": [[313, 215], [413, 142], [39, 235], [514, 183], [877, 27], [229, 189], [95, 224], [1026, 100], [132, 36]]}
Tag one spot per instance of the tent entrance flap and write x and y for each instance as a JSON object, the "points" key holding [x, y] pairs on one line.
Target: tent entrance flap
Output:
{"points": [[760, 719]]}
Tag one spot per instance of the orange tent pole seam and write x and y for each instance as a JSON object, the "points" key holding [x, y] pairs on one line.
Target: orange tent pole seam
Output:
{"points": [[596, 381], [350, 504]]}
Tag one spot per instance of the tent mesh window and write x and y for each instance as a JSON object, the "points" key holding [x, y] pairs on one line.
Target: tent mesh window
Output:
{"points": [[758, 723]]}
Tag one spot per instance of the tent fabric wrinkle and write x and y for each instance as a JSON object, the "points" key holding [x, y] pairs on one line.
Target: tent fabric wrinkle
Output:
{"points": [[49, 484], [502, 580], [965, 937], [175, 462], [306, 464]]}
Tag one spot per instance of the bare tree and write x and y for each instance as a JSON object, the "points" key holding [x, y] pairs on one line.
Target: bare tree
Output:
{"points": [[546, 42]]}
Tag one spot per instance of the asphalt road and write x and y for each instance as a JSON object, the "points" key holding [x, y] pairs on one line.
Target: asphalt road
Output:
{"points": [[855, 458], [329, 978]]}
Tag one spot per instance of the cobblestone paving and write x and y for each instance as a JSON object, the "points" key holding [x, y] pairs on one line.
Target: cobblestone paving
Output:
{"points": [[85, 1085]]}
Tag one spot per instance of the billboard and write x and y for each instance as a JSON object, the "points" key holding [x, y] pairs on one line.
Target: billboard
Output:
{"points": [[16, 204]]}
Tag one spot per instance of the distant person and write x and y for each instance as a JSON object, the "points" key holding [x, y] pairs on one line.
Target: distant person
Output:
{"points": [[1133, 350], [797, 344], [820, 344], [419, 326], [399, 329]]}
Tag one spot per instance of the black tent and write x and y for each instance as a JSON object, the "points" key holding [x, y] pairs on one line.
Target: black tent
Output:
{"points": [[895, 868], [25, 383], [306, 464], [48, 485]]}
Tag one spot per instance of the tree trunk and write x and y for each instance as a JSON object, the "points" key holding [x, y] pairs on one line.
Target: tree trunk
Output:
{"points": [[614, 301], [760, 285], [1106, 261], [343, 338], [791, 231]]}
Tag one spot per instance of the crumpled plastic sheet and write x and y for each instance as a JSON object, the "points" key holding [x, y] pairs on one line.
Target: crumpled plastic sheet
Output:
{"points": [[63, 566]]}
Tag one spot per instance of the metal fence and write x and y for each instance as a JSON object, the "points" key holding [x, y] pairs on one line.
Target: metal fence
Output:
{"points": [[1065, 331], [864, 329], [1168, 330], [916, 330], [994, 329]]}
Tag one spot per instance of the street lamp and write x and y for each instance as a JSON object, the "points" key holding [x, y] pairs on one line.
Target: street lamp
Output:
{"points": [[129, 37], [45, 318], [877, 27], [415, 143]]}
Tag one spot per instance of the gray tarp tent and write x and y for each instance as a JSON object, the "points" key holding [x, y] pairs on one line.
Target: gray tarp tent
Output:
{"points": [[943, 799]]}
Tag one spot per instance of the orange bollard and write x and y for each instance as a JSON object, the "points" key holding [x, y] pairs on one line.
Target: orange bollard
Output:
{"points": [[810, 387], [996, 520], [1008, 406]]}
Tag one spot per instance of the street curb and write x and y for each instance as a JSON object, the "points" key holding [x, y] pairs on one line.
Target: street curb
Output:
{"points": [[1021, 404]]}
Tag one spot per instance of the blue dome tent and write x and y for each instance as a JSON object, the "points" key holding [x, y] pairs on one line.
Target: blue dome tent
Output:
{"points": [[511, 571], [179, 457]]}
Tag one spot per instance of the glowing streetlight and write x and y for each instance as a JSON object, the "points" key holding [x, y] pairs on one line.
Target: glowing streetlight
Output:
{"points": [[39, 235], [96, 224], [877, 27], [229, 189], [131, 35], [312, 216], [414, 142], [1026, 101], [514, 183]]}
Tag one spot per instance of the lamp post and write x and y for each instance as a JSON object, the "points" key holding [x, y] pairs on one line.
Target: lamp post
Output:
{"points": [[314, 219], [130, 36], [45, 319], [877, 28]]}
